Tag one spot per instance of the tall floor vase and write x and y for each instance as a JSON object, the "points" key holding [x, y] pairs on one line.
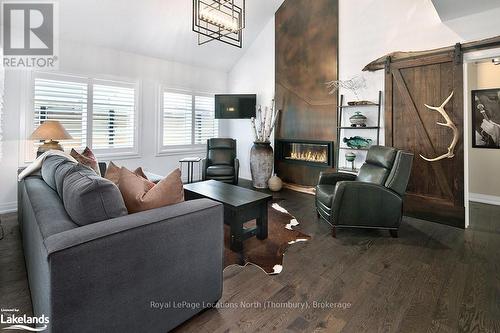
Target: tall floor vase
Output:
{"points": [[261, 163]]}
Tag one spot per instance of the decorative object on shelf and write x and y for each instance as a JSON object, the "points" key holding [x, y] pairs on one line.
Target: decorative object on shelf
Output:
{"points": [[275, 183], [353, 84], [261, 154], [342, 127], [357, 142], [351, 157], [486, 118], [222, 20], [358, 119], [50, 131], [450, 124], [358, 103]]}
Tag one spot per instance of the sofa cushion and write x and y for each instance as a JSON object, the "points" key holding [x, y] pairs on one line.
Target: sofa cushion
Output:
{"points": [[89, 198], [141, 194], [48, 208], [61, 171], [221, 156], [378, 165], [49, 167], [87, 158], [220, 170], [370, 173], [381, 156]]}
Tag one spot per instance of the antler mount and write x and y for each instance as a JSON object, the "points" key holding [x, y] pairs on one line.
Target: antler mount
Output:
{"points": [[448, 123]]}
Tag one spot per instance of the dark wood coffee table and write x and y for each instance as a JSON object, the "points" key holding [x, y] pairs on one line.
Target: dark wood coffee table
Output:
{"points": [[240, 205]]}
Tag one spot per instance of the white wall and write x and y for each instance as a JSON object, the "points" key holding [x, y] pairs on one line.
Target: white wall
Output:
{"points": [[95, 61], [252, 74], [368, 29]]}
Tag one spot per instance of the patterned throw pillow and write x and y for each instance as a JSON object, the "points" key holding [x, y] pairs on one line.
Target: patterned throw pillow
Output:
{"points": [[87, 158], [113, 173], [140, 194]]}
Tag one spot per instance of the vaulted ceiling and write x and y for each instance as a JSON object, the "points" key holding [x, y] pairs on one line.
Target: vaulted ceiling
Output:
{"points": [[452, 9], [156, 28]]}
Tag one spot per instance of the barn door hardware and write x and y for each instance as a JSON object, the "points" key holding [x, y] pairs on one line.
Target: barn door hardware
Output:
{"points": [[458, 54]]}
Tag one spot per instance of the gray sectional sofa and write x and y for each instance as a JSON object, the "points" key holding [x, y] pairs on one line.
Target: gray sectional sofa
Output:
{"points": [[144, 272]]}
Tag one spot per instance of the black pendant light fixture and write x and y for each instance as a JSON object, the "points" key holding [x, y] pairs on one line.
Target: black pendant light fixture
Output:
{"points": [[222, 20]]}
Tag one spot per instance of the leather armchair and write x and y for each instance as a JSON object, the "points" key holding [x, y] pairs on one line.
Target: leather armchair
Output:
{"points": [[373, 199], [221, 162]]}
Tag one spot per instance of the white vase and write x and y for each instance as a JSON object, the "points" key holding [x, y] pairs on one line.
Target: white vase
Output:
{"points": [[275, 183]]}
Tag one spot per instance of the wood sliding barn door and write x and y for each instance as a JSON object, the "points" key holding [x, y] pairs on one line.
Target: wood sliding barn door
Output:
{"points": [[436, 189]]}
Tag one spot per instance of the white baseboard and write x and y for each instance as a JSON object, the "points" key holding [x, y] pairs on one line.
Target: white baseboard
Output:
{"points": [[8, 207], [484, 198]]}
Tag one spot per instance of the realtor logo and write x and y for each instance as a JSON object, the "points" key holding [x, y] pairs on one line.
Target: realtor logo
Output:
{"points": [[18, 322], [29, 34]]}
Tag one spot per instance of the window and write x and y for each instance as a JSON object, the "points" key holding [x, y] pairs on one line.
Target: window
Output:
{"points": [[97, 113], [187, 119], [113, 117], [66, 102], [177, 119], [205, 125]]}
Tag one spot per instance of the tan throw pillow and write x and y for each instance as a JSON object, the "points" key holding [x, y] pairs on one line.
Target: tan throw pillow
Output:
{"points": [[87, 158], [140, 194], [139, 172], [113, 173]]}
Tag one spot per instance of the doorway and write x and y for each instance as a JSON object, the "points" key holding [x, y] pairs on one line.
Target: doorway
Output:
{"points": [[482, 138]]}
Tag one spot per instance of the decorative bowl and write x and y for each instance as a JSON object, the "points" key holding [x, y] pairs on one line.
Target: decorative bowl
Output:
{"points": [[358, 119]]}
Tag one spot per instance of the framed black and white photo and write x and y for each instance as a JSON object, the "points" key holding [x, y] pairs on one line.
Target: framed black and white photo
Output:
{"points": [[486, 118]]}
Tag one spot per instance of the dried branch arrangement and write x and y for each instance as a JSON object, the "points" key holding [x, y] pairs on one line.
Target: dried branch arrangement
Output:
{"points": [[353, 84], [264, 122]]}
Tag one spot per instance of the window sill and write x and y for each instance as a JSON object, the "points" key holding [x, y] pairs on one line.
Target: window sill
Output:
{"points": [[117, 156], [181, 151]]}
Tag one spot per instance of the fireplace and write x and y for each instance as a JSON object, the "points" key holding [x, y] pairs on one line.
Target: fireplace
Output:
{"points": [[305, 152]]}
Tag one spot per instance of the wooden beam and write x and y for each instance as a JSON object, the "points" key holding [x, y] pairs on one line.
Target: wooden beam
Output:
{"points": [[380, 63]]}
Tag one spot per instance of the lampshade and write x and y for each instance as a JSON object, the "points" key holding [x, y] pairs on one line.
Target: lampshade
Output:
{"points": [[50, 130]]}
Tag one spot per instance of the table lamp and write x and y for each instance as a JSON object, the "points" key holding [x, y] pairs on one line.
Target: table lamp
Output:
{"points": [[50, 131]]}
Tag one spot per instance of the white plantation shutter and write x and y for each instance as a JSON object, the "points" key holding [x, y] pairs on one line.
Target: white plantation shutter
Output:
{"points": [[205, 124], [66, 102], [177, 119], [113, 116], [95, 112]]}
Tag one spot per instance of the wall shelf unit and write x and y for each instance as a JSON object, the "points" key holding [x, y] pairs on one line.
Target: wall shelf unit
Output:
{"points": [[342, 128]]}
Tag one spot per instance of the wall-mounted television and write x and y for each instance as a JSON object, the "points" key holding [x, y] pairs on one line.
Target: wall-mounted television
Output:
{"points": [[235, 106]]}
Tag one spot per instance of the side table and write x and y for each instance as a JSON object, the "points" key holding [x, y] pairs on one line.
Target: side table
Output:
{"points": [[190, 166]]}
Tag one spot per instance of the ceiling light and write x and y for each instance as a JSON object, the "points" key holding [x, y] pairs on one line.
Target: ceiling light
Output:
{"points": [[222, 20], [495, 61]]}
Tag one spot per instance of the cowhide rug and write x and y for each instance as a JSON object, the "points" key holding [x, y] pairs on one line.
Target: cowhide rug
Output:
{"points": [[268, 253]]}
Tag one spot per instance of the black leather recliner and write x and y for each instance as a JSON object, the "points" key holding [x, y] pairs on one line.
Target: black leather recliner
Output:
{"points": [[373, 199], [221, 162]]}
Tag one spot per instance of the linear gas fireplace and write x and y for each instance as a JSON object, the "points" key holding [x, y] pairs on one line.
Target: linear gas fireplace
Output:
{"points": [[306, 152]]}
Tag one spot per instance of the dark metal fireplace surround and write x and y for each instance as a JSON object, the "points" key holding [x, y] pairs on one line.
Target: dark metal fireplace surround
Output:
{"points": [[305, 152]]}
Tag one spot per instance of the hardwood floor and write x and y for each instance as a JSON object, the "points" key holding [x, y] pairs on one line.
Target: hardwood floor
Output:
{"points": [[433, 278]]}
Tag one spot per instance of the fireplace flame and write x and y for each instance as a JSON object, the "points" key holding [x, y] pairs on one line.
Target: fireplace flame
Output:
{"points": [[308, 156]]}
